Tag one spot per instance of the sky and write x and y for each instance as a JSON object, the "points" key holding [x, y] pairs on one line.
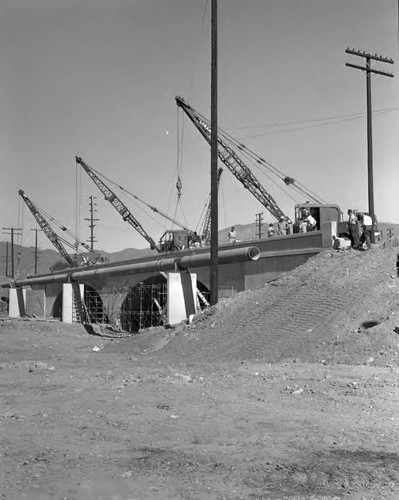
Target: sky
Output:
{"points": [[98, 79]]}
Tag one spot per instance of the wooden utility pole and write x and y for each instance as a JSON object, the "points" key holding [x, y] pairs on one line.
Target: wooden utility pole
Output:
{"points": [[369, 70], [7, 259], [258, 222], [214, 278], [92, 220], [36, 249], [12, 230]]}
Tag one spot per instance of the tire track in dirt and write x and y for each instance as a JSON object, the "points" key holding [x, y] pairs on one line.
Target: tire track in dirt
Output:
{"points": [[286, 319]]}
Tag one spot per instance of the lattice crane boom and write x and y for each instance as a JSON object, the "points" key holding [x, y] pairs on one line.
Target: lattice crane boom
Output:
{"points": [[205, 230], [232, 161], [117, 203], [47, 229]]}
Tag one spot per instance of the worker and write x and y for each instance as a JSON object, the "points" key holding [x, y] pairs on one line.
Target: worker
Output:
{"points": [[270, 230], [367, 226], [353, 229], [195, 240], [232, 235], [303, 223], [310, 221], [180, 243], [282, 226]]}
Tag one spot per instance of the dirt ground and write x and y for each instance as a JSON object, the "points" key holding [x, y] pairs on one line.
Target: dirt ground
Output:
{"points": [[288, 392]]}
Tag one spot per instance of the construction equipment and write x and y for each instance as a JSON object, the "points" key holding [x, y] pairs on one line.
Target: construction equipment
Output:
{"points": [[227, 153], [171, 240], [56, 240], [233, 162], [117, 203], [205, 230]]}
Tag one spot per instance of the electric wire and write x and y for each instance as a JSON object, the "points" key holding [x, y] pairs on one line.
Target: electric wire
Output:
{"points": [[312, 120], [255, 160], [50, 219], [319, 123]]}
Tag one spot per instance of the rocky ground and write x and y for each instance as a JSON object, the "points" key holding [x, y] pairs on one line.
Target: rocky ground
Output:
{"points": [[287, 392]]}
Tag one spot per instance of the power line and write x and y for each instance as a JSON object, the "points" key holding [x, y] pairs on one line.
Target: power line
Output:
{"points": [[311, 123], [92, 220], [13, 231]]}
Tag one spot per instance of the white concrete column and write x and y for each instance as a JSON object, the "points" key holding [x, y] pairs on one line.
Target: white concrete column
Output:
{"points": [[328, 230], [67, 303], [17, 300], [182, 296]]}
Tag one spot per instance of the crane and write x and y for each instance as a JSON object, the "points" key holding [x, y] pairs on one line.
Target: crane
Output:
{"points": [[239, 169], [117, 203], [233, 162], [56, 240], [206, 226], [151, 207]]}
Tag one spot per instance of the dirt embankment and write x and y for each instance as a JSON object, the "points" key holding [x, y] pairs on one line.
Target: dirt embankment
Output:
{"points": [[288, 392]]}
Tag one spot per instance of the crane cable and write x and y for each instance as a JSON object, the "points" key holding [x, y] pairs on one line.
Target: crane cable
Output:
{"points": [[63, 228], [257, 160], [254, 157], [19, 234], [295, 185], [137, 198], [180, 133], [78, 202]]}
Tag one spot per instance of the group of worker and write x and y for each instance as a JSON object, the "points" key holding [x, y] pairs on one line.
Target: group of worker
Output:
{"points": [[360, 226], [284, 226]]}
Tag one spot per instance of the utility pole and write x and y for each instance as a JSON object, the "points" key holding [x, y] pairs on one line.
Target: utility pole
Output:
{"points": [[258, 222], [13, 230], [214, 276], [92, 220], [7, 259], [369, 70], [36, 249]]}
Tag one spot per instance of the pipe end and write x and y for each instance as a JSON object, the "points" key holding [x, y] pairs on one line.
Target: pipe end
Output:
{"points": [[253, 253]]}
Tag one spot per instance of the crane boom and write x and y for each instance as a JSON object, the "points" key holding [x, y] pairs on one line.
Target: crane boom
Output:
{"points": [[47, 229], [111, 197], [232, 161], [206, 227]]}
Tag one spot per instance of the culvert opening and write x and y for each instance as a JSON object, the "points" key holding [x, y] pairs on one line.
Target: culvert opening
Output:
{"points": [[369, 324], [145, 304]]}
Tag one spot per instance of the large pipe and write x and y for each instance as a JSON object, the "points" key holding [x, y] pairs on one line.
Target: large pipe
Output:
{"points": [[175, 263]]}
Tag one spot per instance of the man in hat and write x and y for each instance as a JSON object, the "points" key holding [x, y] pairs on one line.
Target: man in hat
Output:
{"points": [[232, 235], [282, 226], [310, 221], [353, 229]]}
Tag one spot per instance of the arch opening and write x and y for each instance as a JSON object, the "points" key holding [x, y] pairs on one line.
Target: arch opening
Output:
{"points": [[94, 306], [145, 304], [56, 310]]}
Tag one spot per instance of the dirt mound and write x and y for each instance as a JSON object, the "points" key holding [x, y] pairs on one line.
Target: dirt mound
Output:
{"points": [[339, 307]]}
